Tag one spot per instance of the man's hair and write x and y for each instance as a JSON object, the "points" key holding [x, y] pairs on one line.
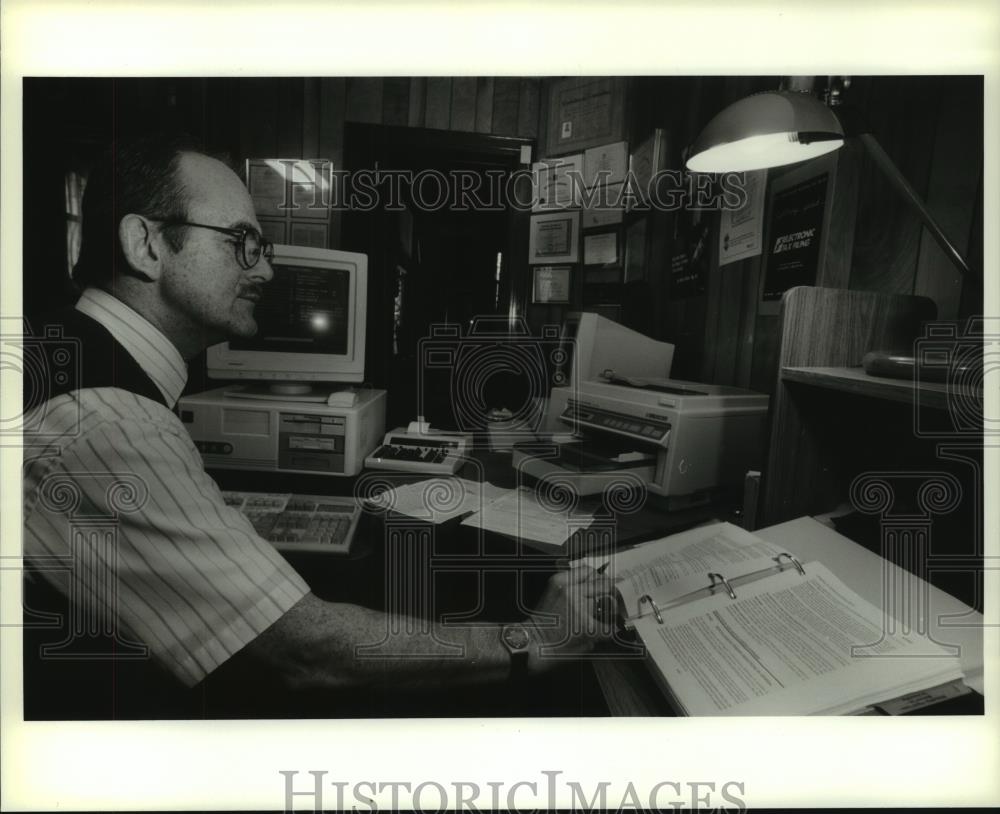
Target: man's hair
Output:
{"points": [[139, 176]]}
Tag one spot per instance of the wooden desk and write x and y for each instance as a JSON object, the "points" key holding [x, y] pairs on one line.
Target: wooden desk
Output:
{"points": [[629, 689]]}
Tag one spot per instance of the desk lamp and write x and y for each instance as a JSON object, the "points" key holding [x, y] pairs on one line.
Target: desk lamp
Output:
{"points": [[775, 128]]}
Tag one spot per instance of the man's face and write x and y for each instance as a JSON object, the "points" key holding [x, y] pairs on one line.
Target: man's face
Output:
{"points": [[204, 285]]}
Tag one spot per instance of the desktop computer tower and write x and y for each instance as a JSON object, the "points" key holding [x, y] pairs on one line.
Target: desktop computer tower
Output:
{"points": [[282, 434]]}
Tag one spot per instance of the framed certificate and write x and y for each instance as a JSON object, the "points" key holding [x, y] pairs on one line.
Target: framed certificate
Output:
{"points": [[554, 238], [550, 284], [606, 164], [601, 249], [649, 158], [557, 183], [583, 112], [604, 206]]}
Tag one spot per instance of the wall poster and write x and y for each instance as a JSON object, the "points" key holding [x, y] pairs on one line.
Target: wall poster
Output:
{"points": [[689, 255], [635, 251], [795, 234], [741, 230]]}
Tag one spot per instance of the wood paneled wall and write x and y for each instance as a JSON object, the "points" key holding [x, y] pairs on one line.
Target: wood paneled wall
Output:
{"points": [[715, 332], [305, 117], [930, 126], [500, 106]]}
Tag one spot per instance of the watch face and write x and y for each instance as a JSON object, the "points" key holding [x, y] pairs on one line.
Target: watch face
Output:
{"points": [[515, 637]]}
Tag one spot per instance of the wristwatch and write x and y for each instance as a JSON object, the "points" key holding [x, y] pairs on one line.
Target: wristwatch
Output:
{"points": [[517, 640]]}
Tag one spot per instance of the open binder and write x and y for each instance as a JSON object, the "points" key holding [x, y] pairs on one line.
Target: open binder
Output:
{"points": [[733, 625]]}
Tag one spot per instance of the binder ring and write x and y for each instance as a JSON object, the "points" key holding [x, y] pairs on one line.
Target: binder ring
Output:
{"points": [[795, 562], [718, 578], [656, 609]]}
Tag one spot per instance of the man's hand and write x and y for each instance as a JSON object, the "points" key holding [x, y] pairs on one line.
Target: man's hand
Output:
{"points": [[566, 621]]}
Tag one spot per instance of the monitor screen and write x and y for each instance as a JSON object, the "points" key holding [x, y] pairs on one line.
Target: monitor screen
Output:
{"points": [[304, 310], [310, 322]]}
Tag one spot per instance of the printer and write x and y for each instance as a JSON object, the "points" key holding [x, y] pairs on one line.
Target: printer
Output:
{"points": [[682, 439], [617, 418]]}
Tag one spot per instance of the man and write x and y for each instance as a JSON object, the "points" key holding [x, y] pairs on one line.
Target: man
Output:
{"points": [[171, 262]]}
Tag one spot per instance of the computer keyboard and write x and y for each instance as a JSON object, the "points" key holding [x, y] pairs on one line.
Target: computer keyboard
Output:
{"points": [[406, 452], [300, 522]]}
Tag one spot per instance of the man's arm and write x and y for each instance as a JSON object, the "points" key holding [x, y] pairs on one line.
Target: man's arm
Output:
{"points": [[202, 590], [181, 572], [332, 645]]}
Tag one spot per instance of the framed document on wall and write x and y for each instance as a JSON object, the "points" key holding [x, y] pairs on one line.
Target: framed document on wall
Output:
{"points": [[554, 238], [602, 249], [605, 164], [648, 159], [583, 112], [550, 284], [557, 183], [605, 206]]}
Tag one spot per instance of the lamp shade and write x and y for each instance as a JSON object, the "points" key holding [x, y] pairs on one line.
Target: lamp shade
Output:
{"points": [[766, 130]]}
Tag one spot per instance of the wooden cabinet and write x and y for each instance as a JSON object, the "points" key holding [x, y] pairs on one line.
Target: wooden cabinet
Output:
{"points": [[902, 458]]}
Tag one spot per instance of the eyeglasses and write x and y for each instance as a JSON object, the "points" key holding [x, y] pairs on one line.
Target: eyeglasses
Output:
{"points": [[251, 245]]}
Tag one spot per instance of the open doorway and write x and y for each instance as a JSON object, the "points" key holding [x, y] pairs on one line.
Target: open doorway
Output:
{"points": [[436, 257]]}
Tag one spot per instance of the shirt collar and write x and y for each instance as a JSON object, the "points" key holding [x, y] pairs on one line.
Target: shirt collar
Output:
{"points": [[154, 353]]}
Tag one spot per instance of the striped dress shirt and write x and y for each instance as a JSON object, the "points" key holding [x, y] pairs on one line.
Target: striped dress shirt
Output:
{"points": [[115, 489]]}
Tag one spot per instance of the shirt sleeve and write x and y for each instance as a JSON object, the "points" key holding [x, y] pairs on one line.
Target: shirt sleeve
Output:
{"points": [[191, 578]]}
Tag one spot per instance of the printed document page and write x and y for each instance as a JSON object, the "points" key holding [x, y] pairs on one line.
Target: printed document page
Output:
{"points": [[680, 564], [520, 514], [436, 500], [788, 646]]}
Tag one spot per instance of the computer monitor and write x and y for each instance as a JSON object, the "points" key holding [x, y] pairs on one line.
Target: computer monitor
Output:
{"points": [[311, 326]]}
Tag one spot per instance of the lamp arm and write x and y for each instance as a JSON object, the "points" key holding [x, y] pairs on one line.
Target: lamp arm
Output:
{"points": [[904, 187]]}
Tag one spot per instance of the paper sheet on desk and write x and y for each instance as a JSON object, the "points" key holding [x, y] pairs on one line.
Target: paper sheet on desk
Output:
{"points": [[519, 514], [437, 500]]}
